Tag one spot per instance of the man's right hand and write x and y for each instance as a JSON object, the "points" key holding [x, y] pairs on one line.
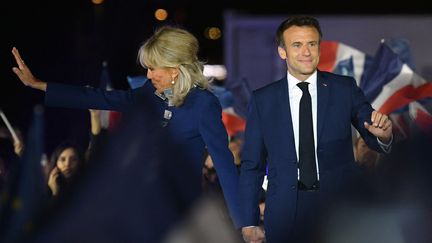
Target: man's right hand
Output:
{"points": [[253, 234]]}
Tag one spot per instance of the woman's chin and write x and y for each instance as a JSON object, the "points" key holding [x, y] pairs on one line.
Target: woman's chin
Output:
{"points": [[67, 174], [159, 90]]}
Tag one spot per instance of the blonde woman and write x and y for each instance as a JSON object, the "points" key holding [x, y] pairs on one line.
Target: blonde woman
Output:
{"points": [[178, 91]]}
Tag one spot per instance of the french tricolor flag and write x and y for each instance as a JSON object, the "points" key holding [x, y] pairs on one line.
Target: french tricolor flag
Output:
{"points": [[233, 122], [109, 119], [413, 119], [389, 83], [421, 116], [342, 59]]}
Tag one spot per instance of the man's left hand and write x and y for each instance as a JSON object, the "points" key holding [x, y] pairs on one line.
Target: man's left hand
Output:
{"points": [[381, 126]]}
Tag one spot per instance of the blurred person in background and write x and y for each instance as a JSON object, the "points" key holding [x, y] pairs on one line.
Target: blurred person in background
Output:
{"points": [[66, 161], [8, 159], [17, 141]]}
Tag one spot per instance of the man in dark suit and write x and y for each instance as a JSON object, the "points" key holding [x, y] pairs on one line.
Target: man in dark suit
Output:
{"points": [[300, 129]]}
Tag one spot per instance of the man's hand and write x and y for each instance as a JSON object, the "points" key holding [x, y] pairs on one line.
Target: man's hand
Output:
{"points": [[253, 234], [381, 126]]}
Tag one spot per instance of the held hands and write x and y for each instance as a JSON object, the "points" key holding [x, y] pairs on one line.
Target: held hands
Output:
{"points": [[24, 73], [253, 234], [381, 126]]}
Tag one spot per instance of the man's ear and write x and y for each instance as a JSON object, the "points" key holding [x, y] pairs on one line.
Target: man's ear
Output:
{"points": [[282, 52]]}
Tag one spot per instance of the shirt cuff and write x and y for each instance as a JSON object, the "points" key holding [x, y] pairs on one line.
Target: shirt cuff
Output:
{"points": [[386, 147], [250, 226]]}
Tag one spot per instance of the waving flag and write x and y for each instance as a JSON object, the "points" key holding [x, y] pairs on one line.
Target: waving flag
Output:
{"points": [[342, 59], [233, 122], [241, 96], [394, 88], [136, 81], [23, 199], [421, 116], [401, 47], [401, 126], [391, 84], [387, 79], [413, 119], [109, 119]]}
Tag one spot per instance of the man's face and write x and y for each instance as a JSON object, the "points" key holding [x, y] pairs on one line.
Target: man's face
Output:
{"points": [[301, 50]]}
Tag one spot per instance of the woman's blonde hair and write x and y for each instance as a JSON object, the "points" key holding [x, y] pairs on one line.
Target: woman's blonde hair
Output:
{"points": [[172, 47]]}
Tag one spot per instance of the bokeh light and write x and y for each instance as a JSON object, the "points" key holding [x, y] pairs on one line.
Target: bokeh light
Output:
{"points": [[161, 14], [213, 33], [97, 2]]}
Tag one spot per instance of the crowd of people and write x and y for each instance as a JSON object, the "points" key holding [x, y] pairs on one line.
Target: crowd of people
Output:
{"points": [[284, 176]]}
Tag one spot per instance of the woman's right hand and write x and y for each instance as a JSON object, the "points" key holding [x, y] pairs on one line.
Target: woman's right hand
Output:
{"points": [[24, 73], [53, 181]]}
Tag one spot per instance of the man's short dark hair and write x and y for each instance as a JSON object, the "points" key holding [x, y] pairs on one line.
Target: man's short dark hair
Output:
{"points": [[298, 20]]}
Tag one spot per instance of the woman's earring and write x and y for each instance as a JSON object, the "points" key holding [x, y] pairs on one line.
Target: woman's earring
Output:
{"points": [[173, 81]]}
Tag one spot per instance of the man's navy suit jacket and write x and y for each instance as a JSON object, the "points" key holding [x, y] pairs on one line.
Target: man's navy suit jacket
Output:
{"points": [[269, 142]]}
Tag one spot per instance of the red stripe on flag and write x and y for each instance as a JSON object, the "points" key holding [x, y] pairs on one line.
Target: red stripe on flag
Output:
{"points": [[328, 55], [404, 128], [233, 124], [404, 96], [424, 121], [114, 119]]}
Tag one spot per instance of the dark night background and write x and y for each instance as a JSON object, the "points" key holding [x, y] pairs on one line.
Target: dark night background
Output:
{"points": [[66, 41]]}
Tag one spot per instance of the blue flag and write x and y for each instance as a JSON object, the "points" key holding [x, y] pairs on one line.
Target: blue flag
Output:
{"points": [[26, 194], [136, 81], [386, 65], [402, 49], [241, 95]]}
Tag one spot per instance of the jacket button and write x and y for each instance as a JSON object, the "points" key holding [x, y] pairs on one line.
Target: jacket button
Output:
{"points": [[293, 187]]}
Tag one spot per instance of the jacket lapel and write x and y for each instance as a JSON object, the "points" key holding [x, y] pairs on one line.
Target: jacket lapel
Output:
{"points": [[323, 92], [285, 109]]}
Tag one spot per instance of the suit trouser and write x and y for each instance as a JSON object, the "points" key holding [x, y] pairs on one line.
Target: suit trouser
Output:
{"points": [[308, 217]]}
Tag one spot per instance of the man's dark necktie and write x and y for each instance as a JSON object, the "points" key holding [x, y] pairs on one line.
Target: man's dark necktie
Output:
{"points": [[307, 165]]}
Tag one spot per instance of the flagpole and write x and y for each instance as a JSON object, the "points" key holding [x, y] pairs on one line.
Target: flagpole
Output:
{"points": [[8, 125]]}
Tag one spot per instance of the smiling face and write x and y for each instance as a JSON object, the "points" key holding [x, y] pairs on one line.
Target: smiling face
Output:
{"points": [[301, 50], [68, 162]]}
